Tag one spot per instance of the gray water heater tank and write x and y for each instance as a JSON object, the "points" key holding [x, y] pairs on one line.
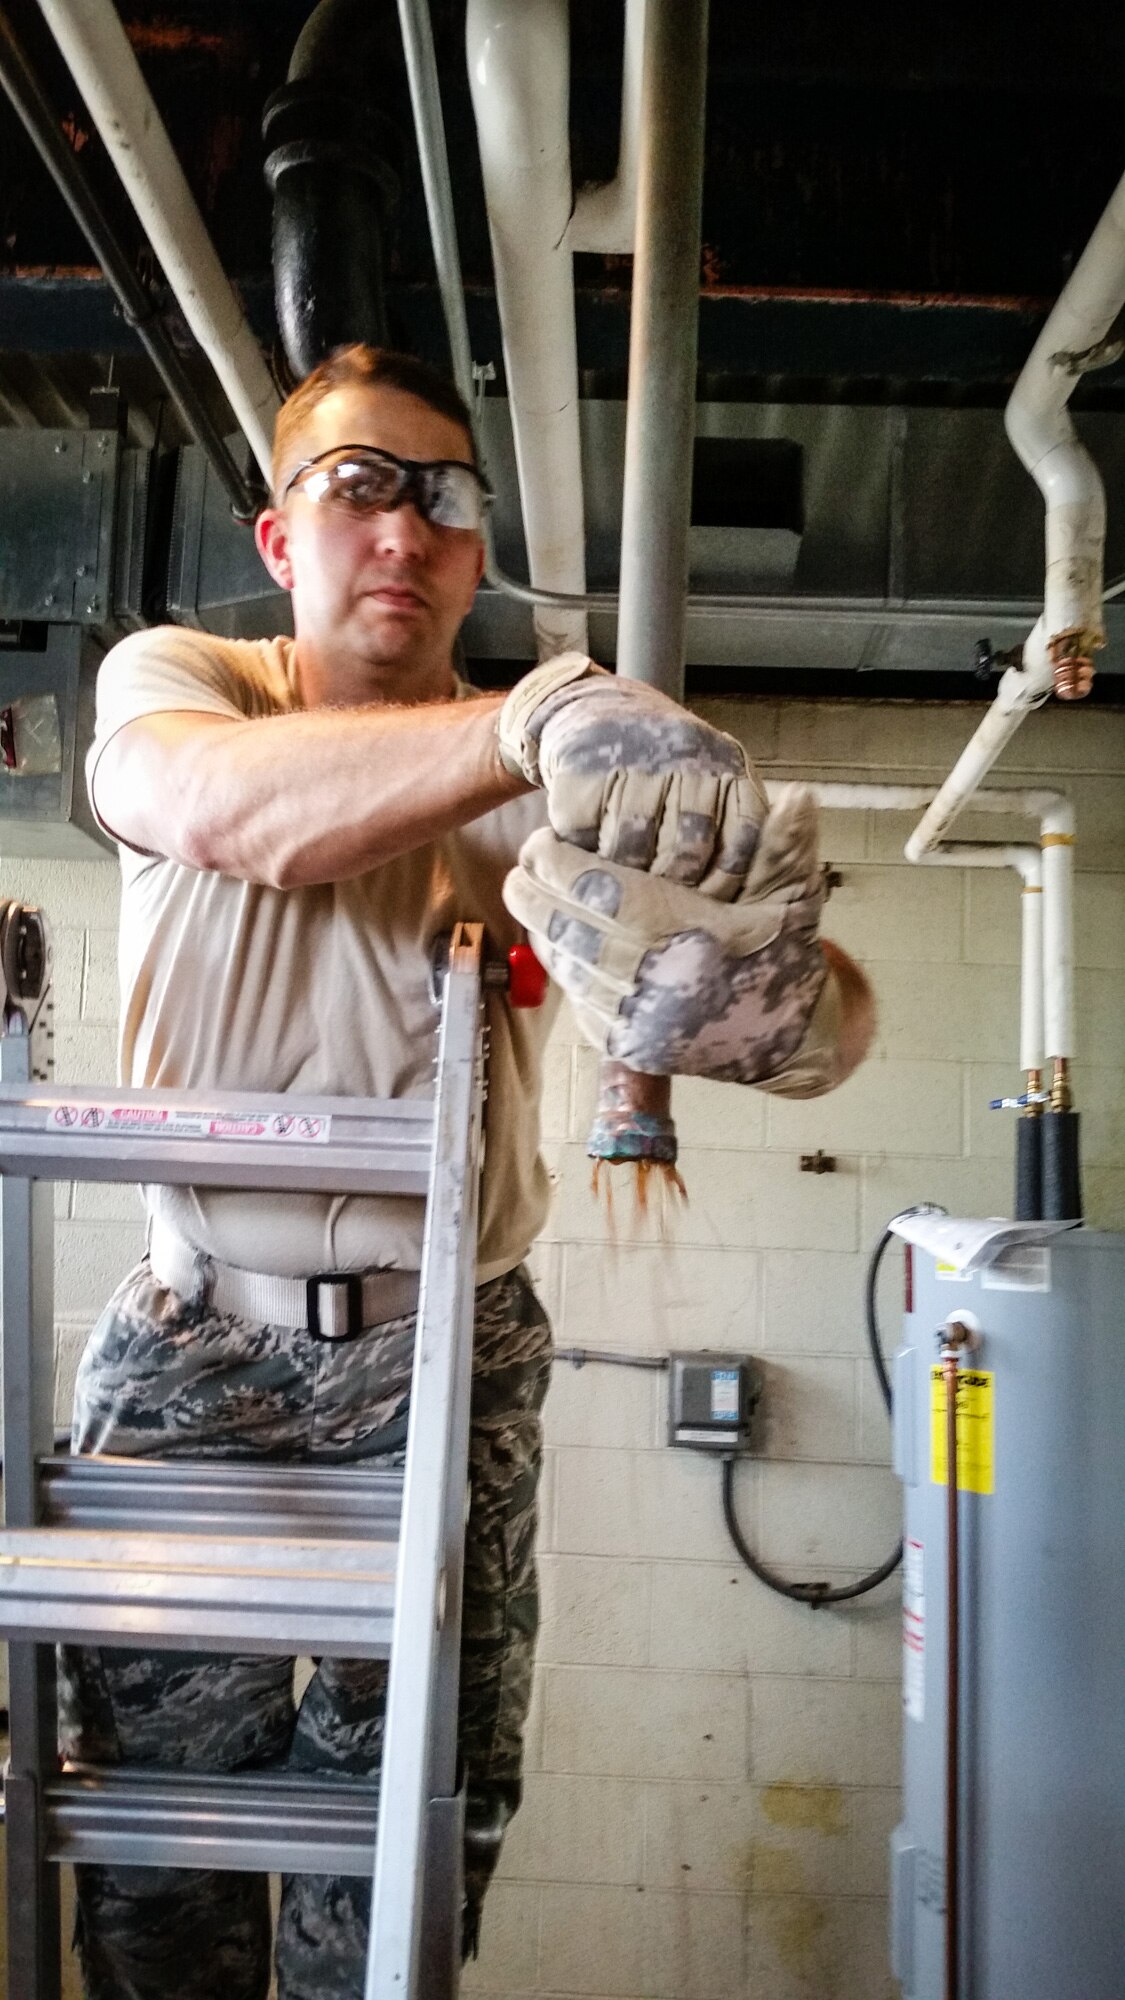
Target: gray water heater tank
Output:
{"points": [[1042, 1602]]}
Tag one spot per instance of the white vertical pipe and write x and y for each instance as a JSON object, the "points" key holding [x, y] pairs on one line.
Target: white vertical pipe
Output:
{"points": [[1032, 968], [519, 75], [1057, 842], [604, 218], [101, 60]]}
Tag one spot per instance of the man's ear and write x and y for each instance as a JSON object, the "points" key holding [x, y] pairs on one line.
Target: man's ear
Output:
{"points": [[271, 534]]}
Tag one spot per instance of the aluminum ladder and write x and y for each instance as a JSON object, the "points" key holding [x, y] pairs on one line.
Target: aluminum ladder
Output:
{"points": [[233, 1556]]}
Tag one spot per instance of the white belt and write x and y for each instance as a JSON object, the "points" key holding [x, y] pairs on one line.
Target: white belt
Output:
{"points": [[335, 1305]]}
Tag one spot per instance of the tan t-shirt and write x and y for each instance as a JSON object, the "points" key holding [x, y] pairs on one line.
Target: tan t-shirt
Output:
{"points": [[320, 990]]}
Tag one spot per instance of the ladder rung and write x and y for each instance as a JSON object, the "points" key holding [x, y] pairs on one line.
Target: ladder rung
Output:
{"points": [[257, 1820], [190, 1591], [341, 1502]]}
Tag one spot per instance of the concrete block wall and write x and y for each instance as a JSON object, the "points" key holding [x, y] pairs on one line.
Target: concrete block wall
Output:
{"points": [[712, 1771]]}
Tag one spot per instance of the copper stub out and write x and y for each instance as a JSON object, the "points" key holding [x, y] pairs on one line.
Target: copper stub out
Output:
{"points": [[1034, 1087], [1073, 676]]}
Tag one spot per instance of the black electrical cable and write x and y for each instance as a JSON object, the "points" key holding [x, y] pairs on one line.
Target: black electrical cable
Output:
{"points": [[812, 1594], [817, 1594], [18, 79]]}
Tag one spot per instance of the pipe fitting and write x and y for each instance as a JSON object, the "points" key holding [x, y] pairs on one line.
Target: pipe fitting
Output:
{"points": [[333, 169], [633, 1119], [1072, 671]]}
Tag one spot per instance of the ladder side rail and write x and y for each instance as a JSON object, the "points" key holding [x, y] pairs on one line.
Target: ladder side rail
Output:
{"points": [[27, 1346], [444, 1329]]}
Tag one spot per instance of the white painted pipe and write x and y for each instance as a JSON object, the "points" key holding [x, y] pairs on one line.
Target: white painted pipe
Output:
{"points": [[1042, 431], [840, 796], [1056, 838], [1033, 971], [101, 60], [519, 72], [604, 218]]}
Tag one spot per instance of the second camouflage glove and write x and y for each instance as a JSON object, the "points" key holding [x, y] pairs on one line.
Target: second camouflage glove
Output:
{"points": [[672, 982]]}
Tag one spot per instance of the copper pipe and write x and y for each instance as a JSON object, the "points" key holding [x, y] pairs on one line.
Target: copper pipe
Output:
{"points": [[633, 1120], [1034, 1087], [1061, 1096]]}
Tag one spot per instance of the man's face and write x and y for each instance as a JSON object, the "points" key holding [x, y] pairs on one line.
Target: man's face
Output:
{"points": [[381, 595]]}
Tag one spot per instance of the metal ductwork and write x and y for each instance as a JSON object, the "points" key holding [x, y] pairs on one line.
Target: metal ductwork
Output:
{"points": [[333, 170]]}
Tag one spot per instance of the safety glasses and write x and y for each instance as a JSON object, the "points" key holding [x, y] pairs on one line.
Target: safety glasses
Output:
{"points": [[363, 480]]}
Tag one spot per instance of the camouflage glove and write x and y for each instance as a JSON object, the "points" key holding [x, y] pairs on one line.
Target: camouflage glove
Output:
{"points": [[630, 775], [672, 982]]}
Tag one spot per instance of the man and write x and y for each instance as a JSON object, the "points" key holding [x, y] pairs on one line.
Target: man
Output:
{"points": [[298, 820]]}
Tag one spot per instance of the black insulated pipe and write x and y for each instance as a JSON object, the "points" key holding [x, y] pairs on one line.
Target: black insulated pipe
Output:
{"points": [[1062, 1174], [333, 170], [32, 108], [1029, 1169]]}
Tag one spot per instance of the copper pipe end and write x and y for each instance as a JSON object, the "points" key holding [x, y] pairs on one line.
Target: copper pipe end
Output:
{"points": [[1034, 1086], [633, 1120], [1073, 676]]}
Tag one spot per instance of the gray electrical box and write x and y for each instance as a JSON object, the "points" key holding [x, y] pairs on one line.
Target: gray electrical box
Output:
{"points": [[711, 1400]]}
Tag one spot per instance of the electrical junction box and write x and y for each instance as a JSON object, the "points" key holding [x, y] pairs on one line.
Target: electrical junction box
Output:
{"points": [[711, 1400]]}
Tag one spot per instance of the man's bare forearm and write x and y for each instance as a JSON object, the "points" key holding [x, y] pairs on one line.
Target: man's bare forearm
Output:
{"points": [[291, 800]]}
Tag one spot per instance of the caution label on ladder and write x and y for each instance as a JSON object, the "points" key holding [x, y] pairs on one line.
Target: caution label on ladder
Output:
{"points": [[279, 1127], [974, 1429]]}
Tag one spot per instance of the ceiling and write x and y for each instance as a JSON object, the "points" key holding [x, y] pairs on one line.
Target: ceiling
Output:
{"points": [[893, 197]]}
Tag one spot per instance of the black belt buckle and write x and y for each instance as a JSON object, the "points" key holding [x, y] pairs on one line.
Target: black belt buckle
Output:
{"points": [[353, 1286]]}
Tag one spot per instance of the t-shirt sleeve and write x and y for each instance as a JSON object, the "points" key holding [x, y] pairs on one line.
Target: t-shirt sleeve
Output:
{"points": [[158, 672]]}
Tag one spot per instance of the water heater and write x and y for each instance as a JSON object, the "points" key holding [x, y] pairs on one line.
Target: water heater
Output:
{"points": [[1041, 1759]]}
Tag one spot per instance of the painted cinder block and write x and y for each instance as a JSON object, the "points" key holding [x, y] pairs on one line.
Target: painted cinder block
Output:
{"points": [[581, 1829], [810, 1947], [594, 1611], [621, 1722], [509, 1941], [812, 1302], [885, 912], [709, 1617], [825, 1732], [741, 1200], [697, 1836], [658, 1505], [90, 1261], [843, 1515], [68, 892], [888, 1105], [641, 1945], [596, 1404], [85, 1052], [808, 1408], [963, 1011], [652, 1298]]}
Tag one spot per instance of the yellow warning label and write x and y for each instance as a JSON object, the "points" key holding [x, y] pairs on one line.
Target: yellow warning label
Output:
{"points": [[974, 1429]]}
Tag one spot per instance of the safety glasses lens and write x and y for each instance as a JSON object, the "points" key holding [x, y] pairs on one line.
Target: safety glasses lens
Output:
{"points": [[368, 486], [451, 496]]}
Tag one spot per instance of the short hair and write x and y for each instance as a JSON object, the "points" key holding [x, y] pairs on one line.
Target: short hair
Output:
{"points": [[359, 366]]}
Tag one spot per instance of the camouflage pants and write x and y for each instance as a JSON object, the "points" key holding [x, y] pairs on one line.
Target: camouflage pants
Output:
{"points": [[162, 1376]]}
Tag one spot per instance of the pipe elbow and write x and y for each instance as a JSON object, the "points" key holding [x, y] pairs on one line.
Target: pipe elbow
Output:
{"points": [[333, 171]]}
